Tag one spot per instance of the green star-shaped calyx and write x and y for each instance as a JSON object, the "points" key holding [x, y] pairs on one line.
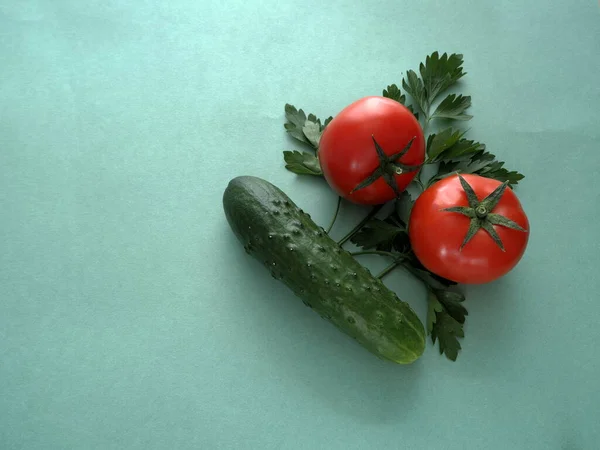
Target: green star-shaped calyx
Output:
{"points": [[481, 215], [388, 168]]}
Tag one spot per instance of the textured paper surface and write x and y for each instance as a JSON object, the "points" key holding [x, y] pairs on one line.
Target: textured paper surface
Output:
{"points": [[130, 318]]}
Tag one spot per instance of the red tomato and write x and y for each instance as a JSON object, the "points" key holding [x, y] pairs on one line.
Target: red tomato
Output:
{"points": [[436, 236], [348, 155]]}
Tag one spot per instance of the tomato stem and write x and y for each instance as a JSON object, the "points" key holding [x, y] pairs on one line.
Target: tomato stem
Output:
{"points": [[481, 212], [417, 180]]}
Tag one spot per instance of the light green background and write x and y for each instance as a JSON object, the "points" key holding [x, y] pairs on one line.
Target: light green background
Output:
{"points": [[130, 318]]}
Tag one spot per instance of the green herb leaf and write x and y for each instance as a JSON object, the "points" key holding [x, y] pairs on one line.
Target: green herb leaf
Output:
{"points": [[412, 110], [457, 154], [433, 308], [389, 234], [295, 122], [413, 85], [302, 163], [439, 73], [446, 330], [453, 107], [442, 141], [377, 234], [312, 132], [394, 93], [452, 301], [493, 169], [462, 148], [479, 163], [305, 129], [404, 205], [450, 144], [445, 319]]}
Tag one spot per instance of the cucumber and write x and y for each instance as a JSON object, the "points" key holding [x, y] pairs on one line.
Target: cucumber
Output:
{"points": [[326, 277]]}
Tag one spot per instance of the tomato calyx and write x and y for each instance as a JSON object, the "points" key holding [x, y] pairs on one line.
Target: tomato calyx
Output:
{"points": [[388, 168], [481, 215]]}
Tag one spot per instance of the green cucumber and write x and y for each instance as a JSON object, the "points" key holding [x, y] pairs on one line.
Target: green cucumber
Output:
{"points": [[326, 277]]}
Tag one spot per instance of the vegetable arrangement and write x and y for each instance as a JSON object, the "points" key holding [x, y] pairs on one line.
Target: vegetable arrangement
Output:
{"points": [[465, 226]]}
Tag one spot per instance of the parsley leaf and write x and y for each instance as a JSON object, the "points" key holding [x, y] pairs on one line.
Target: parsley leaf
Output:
{"points": [[452, 301], [302, 163], [446, 331], [394, 93], [453, 107], [480, 163], [440, 72], [413, 85], [437, 75], [404, 205], [450, 144], [296, 120], [434, 307], [305, 129], [312, 132], [377, 234], [445, 318], [457, 154], [440, 142]]}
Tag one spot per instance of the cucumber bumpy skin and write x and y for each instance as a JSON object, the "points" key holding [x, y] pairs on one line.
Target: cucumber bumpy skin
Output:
{"points": [[326, 277]]}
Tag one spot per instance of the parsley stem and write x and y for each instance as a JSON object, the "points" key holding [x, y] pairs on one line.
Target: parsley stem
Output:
{"points": [[355, 230], [388, 269], [421, 275], [375, 252], [337, 210], [409, 268], [427, 120], [418, 181], [399, 259]]}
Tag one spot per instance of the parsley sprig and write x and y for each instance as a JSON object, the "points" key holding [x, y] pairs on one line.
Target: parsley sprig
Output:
{"points": [[308, 130], [437, 75], [445, 319], [449, 152]]}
